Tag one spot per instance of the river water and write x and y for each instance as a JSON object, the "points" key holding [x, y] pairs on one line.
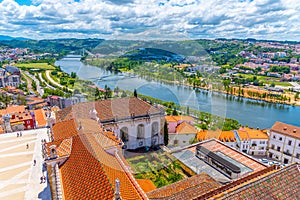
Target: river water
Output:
{"points": [[246, 111]]}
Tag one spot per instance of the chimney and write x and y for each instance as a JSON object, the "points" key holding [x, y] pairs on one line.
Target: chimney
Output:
{"points": [[117, 193], [295, 130]]}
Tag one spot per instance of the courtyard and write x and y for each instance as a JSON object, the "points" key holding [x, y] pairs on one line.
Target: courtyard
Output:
{"points": [[19, 176]]}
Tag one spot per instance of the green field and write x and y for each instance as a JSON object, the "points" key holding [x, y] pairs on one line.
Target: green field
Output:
{"points": [[35, 66], [267, 80]]}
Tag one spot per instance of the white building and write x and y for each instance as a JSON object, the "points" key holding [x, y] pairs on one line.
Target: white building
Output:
{"points": [[284, 143], [134, 121]]}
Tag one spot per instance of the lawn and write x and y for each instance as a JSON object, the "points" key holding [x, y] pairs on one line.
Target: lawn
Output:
{"points": [[159, 167], [35, 66], [267, 80]]}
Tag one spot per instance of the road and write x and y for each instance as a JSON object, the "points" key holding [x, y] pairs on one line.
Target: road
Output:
{"points": [[39, 89], [54, 82], [29, 82], [47, 85], [295, 84]]}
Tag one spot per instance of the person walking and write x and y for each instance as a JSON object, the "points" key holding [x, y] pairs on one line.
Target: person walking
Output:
{"points": [[34, 162], [17, 134], [27, 146]]}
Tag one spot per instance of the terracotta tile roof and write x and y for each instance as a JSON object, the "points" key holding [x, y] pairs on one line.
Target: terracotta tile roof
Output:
{"points": [[277, 184], [185, 128], [256, 134], [215, 145], [40, 117], [172, 118], [286, 129], [65, 129], [13, 109], [146, 184], [243, 135], [108, 110], [82, 175], [224, 136], [186, 189], [112, 168], [63, 147]]}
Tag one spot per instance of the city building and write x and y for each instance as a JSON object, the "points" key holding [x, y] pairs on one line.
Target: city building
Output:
{"points": [[223, 163], [134, 121], [16, 118], [83, 163], [181, 130], [247, 140], [9, 76], [284, 143]]}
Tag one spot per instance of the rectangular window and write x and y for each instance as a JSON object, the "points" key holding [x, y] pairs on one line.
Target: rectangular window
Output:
{"points": [[280, 138], [298, 155], [290, 142], [273, 146], [274, 137], [278, 148]]}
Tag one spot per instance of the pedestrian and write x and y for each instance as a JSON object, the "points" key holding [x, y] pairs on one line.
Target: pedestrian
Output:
{"points": [[41, 180], [34, 162], [20, 134], [44, 178], [17, 134], [27, 146]]}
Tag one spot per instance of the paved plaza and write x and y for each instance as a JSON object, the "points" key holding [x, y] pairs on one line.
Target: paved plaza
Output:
{"points": [[19, 178]]}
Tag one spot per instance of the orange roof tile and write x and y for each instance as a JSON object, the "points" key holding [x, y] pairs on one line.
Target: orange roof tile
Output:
{"points": [[256, 134], [146, 184], [185, 128], [65, 129], [109, 110], [272, 184], [172, 118], [15, 109], [224, 136], [83, 177], [188, 188], [40, 117], [286, 129], [215, 145]]}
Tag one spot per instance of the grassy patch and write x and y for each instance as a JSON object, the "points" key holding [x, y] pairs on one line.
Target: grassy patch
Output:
{"points": [[159, 167], [35, 66]]}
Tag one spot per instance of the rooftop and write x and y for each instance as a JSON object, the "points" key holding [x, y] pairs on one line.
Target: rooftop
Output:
{"points": [[217, 146], [110, 109], [188, 188], [267, 184], [185, 128], [172, 118], [286, 129]]}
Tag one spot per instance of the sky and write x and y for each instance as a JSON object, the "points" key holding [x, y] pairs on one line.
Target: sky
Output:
{"points": [[151, 19]]}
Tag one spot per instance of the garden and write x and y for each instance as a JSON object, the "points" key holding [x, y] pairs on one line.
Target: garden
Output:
{"points": [[159, 167]]}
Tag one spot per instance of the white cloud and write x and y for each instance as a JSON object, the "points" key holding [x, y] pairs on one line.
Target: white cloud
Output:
{"points": [[139, 19]]}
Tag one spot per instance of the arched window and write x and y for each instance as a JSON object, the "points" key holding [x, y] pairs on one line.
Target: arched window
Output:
{"points": [[154, 129], [124, 134], [141, 131]]}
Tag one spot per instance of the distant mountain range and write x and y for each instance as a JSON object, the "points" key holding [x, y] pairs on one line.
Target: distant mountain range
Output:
{"points": [[5, 37]]}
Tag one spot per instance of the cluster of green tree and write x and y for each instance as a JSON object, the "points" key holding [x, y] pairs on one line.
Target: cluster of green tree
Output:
{"points": [[57, 92], [280, 69], [58, 46]]}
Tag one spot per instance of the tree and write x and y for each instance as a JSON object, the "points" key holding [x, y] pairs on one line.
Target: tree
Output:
{"points": [[272, 84], [188, 110], [123, 94], [135, 93], [166, 134], [174, 112]]}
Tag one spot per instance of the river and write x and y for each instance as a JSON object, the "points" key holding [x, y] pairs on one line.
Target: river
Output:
{"points": [[246, 111]]}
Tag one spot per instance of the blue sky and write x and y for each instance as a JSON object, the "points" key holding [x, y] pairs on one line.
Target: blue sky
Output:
{"points": [[151, 19]]}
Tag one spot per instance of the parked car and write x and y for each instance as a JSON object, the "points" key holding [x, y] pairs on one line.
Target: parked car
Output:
{"points": [[263, 160], [274, 163]]}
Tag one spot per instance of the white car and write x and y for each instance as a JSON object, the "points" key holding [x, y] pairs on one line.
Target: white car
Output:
{"points": [[263, 160]]}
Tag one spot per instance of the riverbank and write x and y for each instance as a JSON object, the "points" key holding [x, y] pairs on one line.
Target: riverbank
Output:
{"points": [[238, 91]]}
